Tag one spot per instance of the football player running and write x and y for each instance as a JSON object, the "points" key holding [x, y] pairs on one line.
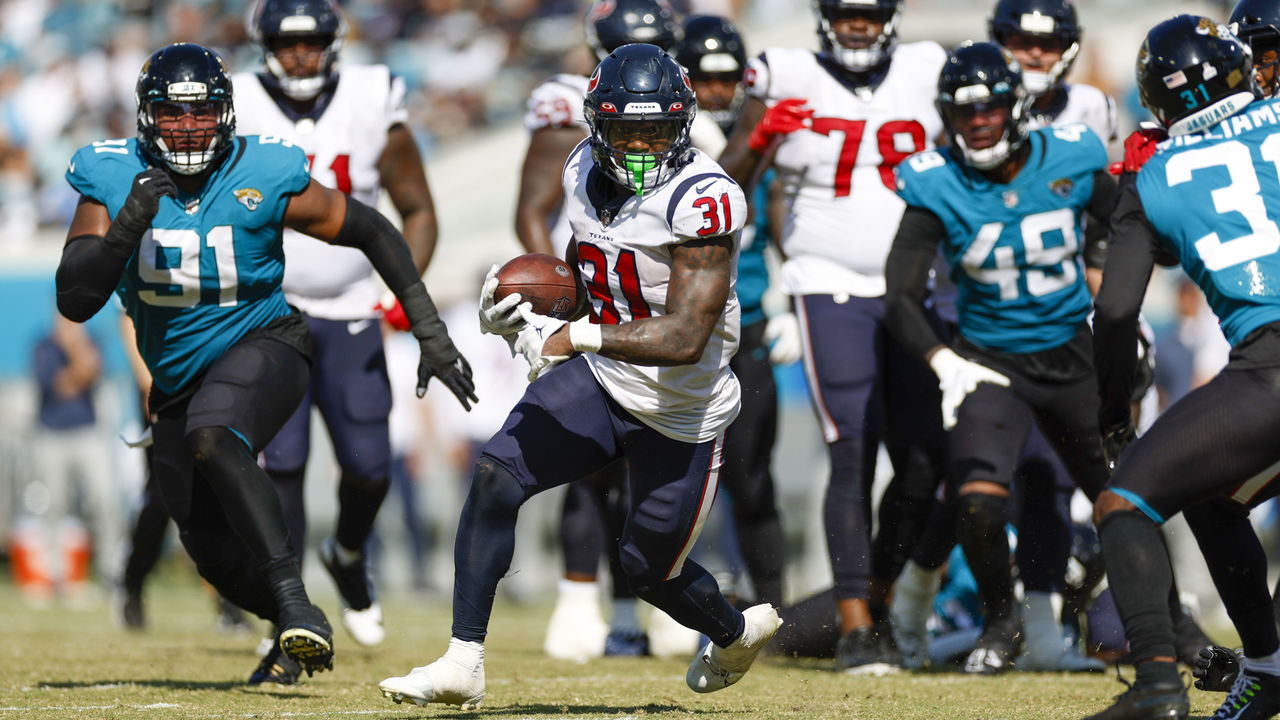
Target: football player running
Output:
{"points": [[1007, 207], [655, 230], [556, 126], [833, 124], [1211, 455], [715, 57], [351, 123], [184, 223]]}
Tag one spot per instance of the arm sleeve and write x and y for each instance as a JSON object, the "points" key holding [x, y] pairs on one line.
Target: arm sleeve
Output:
{"points": [[366, 229], [87, 275], [907, 276], [1097, 219], [1130, 258]]}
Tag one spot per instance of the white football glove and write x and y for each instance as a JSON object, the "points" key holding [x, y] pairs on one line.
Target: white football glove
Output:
{"points": [[957, 378], [782, 335], [529, 341], [498, 318]]}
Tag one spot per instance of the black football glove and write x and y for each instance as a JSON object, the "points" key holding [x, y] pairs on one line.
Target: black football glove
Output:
{"points": [[1114, 442], [1216, 668], [139, 208], [439, 357]]}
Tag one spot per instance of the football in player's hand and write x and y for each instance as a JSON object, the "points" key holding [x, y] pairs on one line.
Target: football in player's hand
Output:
{"points": [[544, 281]]}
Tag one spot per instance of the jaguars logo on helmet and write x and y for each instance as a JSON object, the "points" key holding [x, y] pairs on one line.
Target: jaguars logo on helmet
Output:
{"points": [[275, 23], [1192, 73], [185, 77], [639, 91]]}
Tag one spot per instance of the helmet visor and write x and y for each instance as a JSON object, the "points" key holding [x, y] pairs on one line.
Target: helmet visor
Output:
{"points": [[642, 136], [980, 124]]}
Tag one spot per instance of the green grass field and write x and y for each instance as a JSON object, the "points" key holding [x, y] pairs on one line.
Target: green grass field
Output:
{"points": [[74, 663]]}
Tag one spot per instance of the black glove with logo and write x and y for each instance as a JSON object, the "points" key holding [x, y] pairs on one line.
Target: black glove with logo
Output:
{"points": [[139, 208]]}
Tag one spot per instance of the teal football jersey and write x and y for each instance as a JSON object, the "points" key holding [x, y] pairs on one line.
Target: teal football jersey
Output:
{"points": [[209, 269], [1213, 197], [1014, 249]]}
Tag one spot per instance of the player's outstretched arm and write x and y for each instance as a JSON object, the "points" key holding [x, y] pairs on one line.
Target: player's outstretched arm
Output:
{"points": [[540, 188], [332, 216], [402, 173], [98, 248]]}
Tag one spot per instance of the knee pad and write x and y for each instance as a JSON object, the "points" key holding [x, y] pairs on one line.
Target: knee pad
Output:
{"points": [[494, 487], [207, 442], [981, 515]]}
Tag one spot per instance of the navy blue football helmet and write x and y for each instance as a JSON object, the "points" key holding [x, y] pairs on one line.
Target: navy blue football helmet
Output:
{"points": [[1039, 18], [713, 49], [1192, 72], [1257, 23], [639, 91], [275, 22], [610, 24], [888, 12], [983, 74], [185, 78]]}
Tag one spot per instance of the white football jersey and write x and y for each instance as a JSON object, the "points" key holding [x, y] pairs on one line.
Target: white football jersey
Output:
{"points": [[1084, 104], [343, 144], [837, 174], [626, 263], [557, 103]]}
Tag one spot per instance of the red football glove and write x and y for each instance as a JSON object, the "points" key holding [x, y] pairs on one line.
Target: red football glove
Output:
{"points": [[1138, 148], [783, 118], [393, 313]]}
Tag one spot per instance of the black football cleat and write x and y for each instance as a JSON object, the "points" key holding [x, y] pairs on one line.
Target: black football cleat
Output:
{"points": [[277, 668], [1153, 702], [305, 636], [999, 645], [1254, 696]]}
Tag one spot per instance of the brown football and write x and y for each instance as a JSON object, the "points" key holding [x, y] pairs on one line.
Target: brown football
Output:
{"points": [[544, 281]]}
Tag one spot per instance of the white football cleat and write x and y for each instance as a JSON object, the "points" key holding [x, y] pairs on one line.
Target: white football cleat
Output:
{"points": [[716, 668], [577, 630], [444, 681], [365, 626]]}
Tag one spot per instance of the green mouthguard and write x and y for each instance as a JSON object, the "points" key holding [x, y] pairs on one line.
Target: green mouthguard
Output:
{"points": [[638, 164]]}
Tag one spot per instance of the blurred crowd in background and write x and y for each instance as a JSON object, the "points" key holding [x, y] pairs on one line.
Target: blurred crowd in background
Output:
{"points": [[68, 67]]}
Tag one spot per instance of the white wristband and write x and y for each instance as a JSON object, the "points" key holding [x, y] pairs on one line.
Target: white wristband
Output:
{"points": [[584, 335]]}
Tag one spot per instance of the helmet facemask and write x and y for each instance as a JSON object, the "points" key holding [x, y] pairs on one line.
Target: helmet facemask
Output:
{"points": [[187, 151], [302, 87], [969, 100], [1038, 82], [639, 170], [859, 59]]}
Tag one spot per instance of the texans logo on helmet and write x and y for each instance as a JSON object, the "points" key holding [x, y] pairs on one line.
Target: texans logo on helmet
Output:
{"points": [[608, 107], [601, 10], [685, 77], [595, 80]]}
